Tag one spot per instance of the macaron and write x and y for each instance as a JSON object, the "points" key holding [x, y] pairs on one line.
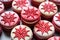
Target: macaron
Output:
{"points": [[18, 5], [43, 29], [21, 32], [9, 19], [30, 15], [48, 9]]}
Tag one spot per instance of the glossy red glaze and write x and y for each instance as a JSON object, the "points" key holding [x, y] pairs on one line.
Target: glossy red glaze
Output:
{"points": [[31, 14], [21, 33]]}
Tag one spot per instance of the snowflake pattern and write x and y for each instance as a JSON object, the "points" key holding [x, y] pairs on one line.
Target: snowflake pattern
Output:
{"points": [[21, 33], [49, 7], [20, 3], [43, 27], [31, 13], [8, 18]]}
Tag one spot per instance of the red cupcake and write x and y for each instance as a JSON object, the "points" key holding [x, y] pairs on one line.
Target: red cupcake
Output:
{"points": [[36, 3], [9, 19], [30, 15], [21, 32], [1, 7], [48, 9], [54, 38], [43, 29], [57, 2], [56, 21], [7, 3], [18, 5]]}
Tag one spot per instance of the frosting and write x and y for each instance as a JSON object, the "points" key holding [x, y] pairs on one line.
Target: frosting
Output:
{"points": [[44, 29], [9, 18], [20, 4], [31, 13], [21, 32], [48, 8]]}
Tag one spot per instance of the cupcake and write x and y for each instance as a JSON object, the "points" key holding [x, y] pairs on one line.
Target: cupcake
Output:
{"points": [[7, 3], [56, 21], [36, 3], [48, 9], [21, 32], [43, 30], [54, 38], [18, 5], [30, 15], [1, 7], [57, 2], [9, 19]]}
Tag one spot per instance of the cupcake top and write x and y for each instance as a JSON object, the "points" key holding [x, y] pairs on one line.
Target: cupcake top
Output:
{"points": [[54, 38], [1, 7], [48, 8], [20, 4], [44, 29], [30, 13], [21, 32], [56, 19], [9, 18]]}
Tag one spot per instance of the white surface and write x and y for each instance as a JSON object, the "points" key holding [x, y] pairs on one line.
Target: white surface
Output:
{"points": [[4, 37]]}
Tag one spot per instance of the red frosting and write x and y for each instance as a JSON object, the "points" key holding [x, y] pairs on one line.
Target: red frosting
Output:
{"points": [[58, 18], [43, 27], [21, 33], [8, 18], [21, 3], [49, 7], [31, 14]]}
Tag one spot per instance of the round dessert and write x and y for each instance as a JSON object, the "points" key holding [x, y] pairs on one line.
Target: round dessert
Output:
{"points": [[9, 19], [7, 3], [21, 32], [1, 7], [36, 3], [30, 15], [54, 38], [57, 2], [48, 9], [56, 21], [43, 29], [18, 5], [0, 30]]}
